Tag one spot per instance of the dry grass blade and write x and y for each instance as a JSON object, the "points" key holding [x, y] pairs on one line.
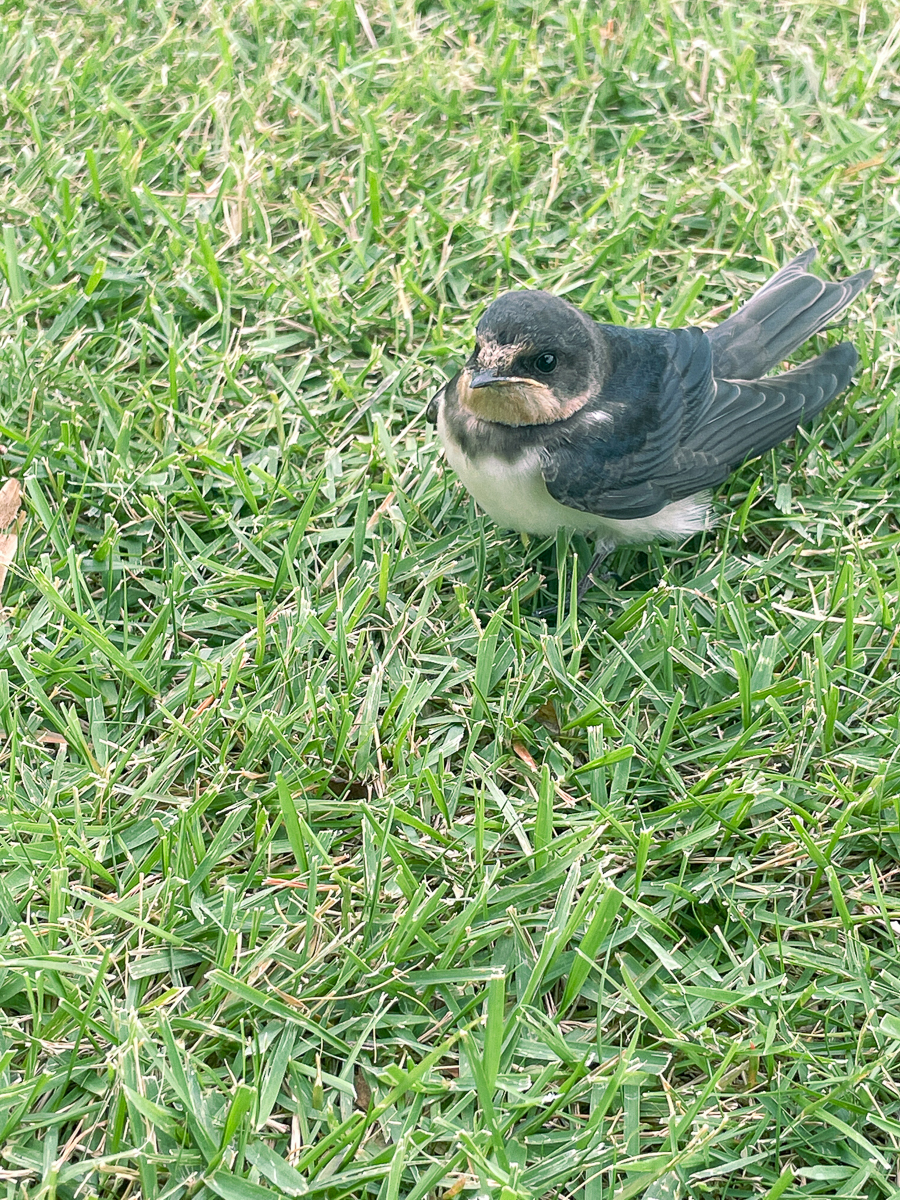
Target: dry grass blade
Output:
{"points": [[10, 503]]}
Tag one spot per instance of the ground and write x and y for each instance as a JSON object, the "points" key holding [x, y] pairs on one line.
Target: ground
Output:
{"points": [[328, 866]]}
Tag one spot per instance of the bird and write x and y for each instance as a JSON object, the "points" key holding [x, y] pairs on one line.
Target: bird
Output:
{"points": [[559, 422]]}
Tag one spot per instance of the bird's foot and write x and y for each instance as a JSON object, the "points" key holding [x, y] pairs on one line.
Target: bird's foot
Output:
{"points": [[590, 576]]}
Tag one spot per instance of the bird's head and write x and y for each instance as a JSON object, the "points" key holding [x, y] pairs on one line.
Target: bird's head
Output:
{"points": [[536, 360]]}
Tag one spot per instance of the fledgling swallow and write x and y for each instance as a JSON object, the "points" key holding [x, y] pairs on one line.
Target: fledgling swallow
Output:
{"points": [[558, 422]]}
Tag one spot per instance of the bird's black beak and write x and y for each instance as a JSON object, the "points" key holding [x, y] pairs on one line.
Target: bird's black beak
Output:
{"points": [[486, 378]]}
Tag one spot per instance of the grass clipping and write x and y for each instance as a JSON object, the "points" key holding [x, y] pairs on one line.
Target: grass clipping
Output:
{"points": [[10, 523]]}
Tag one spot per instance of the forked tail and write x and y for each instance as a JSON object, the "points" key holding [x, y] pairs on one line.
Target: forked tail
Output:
{"points": [[786, 311]]}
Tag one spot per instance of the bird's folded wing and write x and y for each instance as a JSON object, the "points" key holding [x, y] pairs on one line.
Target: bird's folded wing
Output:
{"points": [[622, 446], [697, 430]]}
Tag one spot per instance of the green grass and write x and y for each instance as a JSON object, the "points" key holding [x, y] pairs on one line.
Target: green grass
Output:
{"points": [[328, 868]]}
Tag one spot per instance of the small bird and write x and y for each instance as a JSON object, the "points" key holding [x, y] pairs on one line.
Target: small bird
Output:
{"points": [[558, 422]]}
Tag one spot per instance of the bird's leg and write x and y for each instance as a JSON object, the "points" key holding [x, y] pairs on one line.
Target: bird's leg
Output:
{"points": [[602, 550]]}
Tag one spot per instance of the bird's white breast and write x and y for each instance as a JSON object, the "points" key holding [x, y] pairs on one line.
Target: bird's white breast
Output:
{"points": [[515, 495]]}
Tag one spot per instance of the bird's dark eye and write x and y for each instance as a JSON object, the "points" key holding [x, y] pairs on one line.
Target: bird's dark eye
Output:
{"points": [[545, 363]]}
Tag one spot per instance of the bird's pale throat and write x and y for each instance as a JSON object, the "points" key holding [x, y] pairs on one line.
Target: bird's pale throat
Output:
{"points": [[515, 401]]}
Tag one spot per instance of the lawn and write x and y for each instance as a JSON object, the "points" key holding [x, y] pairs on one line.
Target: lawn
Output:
{"points": [[329, 868]]}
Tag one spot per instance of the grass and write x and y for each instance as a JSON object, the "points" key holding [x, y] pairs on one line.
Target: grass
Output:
{"points": [[328, 868]]}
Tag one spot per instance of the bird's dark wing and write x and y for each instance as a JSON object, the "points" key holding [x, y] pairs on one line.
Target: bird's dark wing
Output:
{"points": [[431, 408], [787, 310], [694, 430], [619, 448]]}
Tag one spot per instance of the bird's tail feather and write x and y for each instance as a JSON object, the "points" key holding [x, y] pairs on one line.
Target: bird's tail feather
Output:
{"points": [[820, 379], [787, 310]]}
